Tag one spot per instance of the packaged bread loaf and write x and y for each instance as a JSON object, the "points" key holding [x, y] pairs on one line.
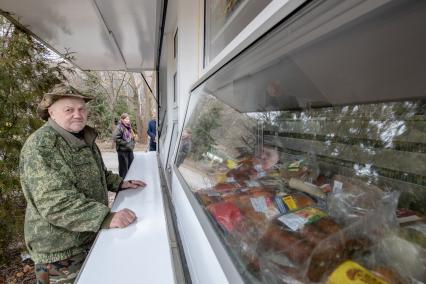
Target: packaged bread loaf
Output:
{"points": [[288, 243]]}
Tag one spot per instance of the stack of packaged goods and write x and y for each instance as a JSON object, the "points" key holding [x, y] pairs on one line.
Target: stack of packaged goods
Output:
{"points": [[288, 225]]}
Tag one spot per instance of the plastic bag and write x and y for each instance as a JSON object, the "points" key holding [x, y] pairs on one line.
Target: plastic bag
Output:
{"points": [[406, 258], [352, 199], [285, 236], [311, 251]]}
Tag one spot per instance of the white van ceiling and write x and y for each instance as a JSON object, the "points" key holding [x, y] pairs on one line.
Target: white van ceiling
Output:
{"points": [[100, 34]]}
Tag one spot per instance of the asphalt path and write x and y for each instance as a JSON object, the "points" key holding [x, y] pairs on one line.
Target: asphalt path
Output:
{"points": [[111, 161]]}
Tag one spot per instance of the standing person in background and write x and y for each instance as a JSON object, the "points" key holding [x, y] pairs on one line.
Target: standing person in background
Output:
{"points": [[185, 146], [65, 183], [124, 144], [152, 133]]}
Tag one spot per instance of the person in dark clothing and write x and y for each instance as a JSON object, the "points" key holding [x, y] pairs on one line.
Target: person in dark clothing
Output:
{"points": [[124, 143], [185, 146], [152, 133]]}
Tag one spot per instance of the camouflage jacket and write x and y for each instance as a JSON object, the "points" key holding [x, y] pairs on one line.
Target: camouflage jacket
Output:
{"points": [[65, 184]]}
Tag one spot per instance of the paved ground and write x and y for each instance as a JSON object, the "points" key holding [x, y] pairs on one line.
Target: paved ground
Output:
{"points": [[111, 161], [110, 155]]}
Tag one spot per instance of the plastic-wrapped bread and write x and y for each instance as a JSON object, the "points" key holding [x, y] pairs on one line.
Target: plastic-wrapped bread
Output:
{"points": [[326, 256], [292, 245], [328, 225], [313, 234], [333, 251]]}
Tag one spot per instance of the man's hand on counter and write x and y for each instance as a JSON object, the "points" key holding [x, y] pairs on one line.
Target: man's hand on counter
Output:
{"points": [[122, 218], [132, 184]]}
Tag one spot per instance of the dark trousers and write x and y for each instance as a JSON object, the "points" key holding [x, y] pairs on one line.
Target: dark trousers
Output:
{"points": [[125, 159]]}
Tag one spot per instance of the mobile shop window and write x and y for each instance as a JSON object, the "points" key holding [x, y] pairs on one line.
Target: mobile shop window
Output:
{"points": [[309, 156], [318, 175]]}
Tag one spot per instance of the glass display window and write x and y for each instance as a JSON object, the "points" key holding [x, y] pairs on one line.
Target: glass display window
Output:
{"points": [[307, 153], [224, 20]]}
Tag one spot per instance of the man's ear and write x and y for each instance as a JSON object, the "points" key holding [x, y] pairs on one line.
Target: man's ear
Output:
{"points": [[50, 111]]}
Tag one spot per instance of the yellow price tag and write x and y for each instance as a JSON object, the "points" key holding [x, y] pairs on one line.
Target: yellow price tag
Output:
{"points": [[289, 201]]}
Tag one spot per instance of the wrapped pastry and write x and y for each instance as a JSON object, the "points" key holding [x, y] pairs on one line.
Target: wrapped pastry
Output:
{"points": [[313, 234], [324, 259], [328, 225], [292, 245], [332, 251]]}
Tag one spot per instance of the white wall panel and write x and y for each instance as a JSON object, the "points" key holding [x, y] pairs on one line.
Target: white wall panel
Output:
{"points": [[202, 262]]}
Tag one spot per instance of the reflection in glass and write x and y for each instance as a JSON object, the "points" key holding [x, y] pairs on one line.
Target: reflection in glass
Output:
{"points": [[250, 171], [308, 151], [225, 19]]}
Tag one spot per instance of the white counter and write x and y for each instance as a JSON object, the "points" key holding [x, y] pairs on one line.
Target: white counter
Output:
{"points": [[141, 252]]}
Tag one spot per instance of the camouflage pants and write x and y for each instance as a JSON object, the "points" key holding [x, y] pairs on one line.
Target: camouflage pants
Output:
{"points": [[60, 272]]}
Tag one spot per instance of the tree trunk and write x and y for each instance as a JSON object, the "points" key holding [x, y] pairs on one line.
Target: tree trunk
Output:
{"points": [[147, 107], [137, 108]]}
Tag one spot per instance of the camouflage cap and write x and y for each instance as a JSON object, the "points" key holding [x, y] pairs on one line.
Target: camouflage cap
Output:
{"points": [[59, 91]]}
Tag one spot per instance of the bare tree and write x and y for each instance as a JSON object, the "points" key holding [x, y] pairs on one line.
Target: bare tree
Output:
{"points": [[112, 84], [148, 102], [134, 86]]}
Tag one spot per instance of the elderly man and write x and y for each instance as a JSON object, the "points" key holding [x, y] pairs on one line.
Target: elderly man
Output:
{"points": [[65, 183]]}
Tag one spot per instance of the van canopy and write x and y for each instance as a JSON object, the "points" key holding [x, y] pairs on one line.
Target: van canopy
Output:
{"points": [[99, 34]]}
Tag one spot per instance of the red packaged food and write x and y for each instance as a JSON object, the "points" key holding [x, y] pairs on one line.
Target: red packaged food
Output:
{"points": [[226, 214]]}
